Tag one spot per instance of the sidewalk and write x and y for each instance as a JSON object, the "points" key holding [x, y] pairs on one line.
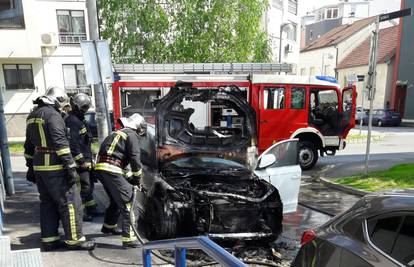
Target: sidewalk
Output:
{"points": [[22, 226]]}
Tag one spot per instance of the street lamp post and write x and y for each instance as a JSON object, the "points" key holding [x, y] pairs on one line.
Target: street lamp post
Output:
{"points": [[287, 24]]}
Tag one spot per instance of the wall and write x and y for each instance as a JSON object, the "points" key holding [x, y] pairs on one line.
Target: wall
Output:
{"points": [[274, 18], [406, 61], [320, 28], [313, 58], [384, 78]]}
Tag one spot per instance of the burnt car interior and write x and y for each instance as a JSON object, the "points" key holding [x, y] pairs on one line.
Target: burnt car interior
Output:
{"points": [[196, 180], [182, 127]]}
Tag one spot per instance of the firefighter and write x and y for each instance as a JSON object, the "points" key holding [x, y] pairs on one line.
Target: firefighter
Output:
{"points": [[80, 146], [118, 151], [52, 168]]}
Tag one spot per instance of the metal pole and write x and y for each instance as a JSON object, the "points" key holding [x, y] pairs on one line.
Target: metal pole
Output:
{"points": [[101, 111], [323, 62], [372, 74], [4, 150]]}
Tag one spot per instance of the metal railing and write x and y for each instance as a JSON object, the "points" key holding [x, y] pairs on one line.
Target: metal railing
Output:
{"points": [[71, 37], [180, 245]]}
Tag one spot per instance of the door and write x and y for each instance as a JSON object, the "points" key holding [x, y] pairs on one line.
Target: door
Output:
{"points": [[400, 99], [348, 109], [272, 123], [284, 172]]}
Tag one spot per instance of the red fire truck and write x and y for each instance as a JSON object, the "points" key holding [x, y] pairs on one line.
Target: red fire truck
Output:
{"points": [[310, 108]]}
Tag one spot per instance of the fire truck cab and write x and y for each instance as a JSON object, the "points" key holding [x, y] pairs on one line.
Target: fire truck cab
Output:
{"points": [[312, 109]]}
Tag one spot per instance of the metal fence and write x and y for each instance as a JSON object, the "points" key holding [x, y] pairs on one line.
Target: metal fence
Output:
{"points": [[180, 245]]}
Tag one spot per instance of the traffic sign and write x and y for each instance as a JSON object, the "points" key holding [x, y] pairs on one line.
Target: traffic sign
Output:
{"points": [[396, 14]]}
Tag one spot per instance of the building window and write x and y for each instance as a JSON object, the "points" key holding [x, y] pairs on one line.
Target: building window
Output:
{"points": [[274, 98], [293, 7], [332, 13], [303, 71], [11, 14], [71, 24], [277, 4], [312, 71], [74, 78], [291, 35], [18, 76]]}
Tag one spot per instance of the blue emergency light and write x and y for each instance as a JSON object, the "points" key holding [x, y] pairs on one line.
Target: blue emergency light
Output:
{"points": [[327, 79]]}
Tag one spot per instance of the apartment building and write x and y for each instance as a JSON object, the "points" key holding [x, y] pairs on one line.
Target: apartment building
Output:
{"points": [[40, 47], [282, 17]]}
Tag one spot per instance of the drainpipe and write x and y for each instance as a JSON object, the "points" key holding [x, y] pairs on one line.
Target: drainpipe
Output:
{"points": [[4, 150], [336, 63]]}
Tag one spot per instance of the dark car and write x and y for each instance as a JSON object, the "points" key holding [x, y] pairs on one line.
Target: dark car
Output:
{"points": [[200, 181], [377, 231], [90, 118], [382, 117]]}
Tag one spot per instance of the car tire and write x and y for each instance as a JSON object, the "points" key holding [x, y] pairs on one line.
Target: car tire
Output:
{"points": [[161, 224], [379, 123], [308, 155]]}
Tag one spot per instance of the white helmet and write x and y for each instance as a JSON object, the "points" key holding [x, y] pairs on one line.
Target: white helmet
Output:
{"points": [[56, 96], [136, 122]]}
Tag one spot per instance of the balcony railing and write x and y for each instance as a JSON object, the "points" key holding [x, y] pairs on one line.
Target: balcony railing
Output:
{"points": [[73, 90], [71, 37]]}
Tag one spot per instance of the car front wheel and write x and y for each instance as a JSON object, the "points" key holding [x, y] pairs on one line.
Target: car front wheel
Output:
{"points": [[308, 155], [379, 123]]}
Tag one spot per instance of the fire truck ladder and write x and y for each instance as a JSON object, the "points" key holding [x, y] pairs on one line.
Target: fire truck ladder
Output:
{"points": [[204, 68]]}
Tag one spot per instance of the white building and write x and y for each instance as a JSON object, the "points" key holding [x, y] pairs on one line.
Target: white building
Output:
{"points": [[321, 20], [283, 12], [40, 48], [322, 56]]}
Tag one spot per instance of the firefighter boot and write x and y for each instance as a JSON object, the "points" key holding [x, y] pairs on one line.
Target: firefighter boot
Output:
{"points": [[83, 245], [55, 245]]}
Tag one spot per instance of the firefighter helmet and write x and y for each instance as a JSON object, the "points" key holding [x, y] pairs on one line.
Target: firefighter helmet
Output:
{"points": [[81, 102], [136, 122], [56, 96]]}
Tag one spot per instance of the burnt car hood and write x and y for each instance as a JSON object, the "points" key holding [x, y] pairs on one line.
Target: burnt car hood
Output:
{"points": [[176, 138]]}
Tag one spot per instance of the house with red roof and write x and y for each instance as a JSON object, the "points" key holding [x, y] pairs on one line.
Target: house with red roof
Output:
{"points": [[356, 62], [322, 56]]}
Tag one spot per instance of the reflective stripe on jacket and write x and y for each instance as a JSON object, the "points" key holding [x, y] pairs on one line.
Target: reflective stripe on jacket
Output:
{"points": [[46, 129]]}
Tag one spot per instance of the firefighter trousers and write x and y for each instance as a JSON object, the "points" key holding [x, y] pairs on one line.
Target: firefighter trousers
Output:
{"points": [[58, 201], [86, 189], [120, 197]]}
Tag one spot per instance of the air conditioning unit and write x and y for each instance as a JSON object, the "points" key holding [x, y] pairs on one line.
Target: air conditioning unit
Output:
{"points": [[49, 39], [288, 48]]}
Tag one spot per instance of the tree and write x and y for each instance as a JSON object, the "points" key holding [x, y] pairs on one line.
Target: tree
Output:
{"points": [[180, 31]]}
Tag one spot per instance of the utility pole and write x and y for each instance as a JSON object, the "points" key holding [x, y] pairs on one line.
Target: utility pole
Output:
{"points": [[98, 89], [5, 155], [372, 72]]}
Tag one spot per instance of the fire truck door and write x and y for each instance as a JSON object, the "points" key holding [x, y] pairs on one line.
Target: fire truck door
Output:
{"points": [[348, 109], [272, 108]]}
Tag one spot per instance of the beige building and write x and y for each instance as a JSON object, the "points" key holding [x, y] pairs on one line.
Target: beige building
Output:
{"points": [[322, 56], [357, 63]]}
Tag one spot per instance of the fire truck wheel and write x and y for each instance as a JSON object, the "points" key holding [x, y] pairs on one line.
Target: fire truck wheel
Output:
{"points": [[308, 155]]}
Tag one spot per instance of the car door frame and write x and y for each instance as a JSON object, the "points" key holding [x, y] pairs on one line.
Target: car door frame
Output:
{"points": [[270, 174]]}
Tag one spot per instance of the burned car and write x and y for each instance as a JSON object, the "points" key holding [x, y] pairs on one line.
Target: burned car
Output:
{"points": [[200, 180]]}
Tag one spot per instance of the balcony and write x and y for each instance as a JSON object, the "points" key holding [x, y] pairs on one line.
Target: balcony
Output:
{"points": [[71, 37], [73, 90]]}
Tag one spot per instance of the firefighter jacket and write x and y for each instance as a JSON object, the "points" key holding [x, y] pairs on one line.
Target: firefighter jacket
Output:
{"points": [[47, 147], [80, 138], [119, 150]]}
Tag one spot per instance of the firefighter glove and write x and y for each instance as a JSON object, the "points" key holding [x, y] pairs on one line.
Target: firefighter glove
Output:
{"points": [[30, 176], [73, 176]]}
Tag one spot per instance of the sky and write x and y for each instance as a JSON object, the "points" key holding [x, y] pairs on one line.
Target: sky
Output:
{"points": [[376, 6]]}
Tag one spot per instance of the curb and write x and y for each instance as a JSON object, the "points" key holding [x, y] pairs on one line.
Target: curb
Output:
{"points": [[343, 188]]}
